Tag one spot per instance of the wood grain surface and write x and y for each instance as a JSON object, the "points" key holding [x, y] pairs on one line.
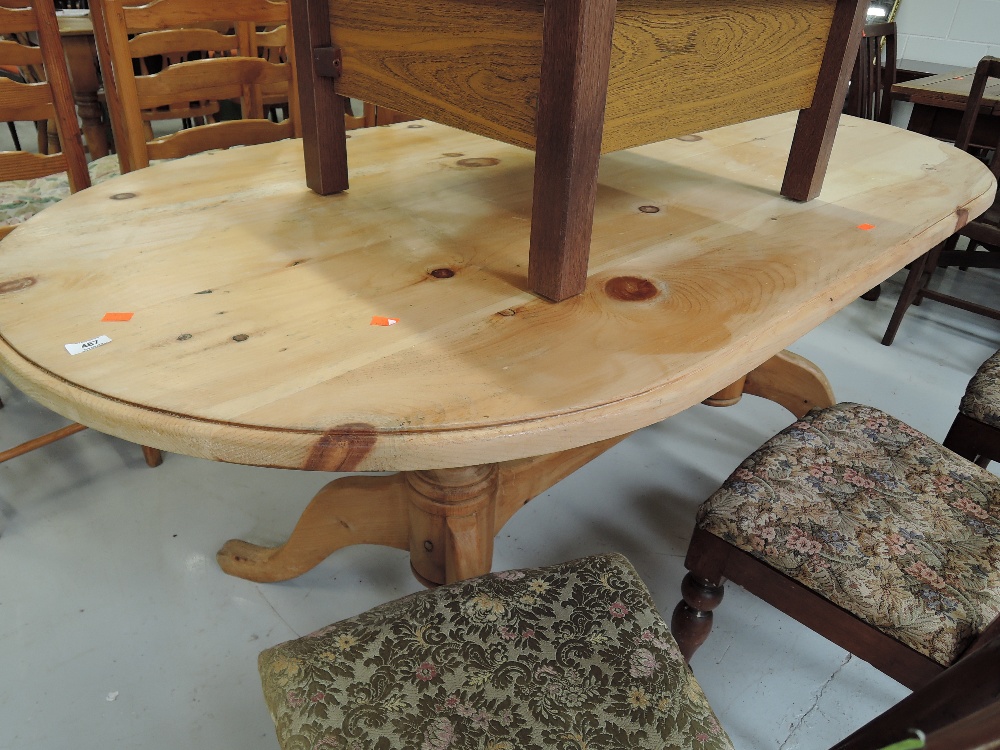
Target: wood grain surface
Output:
{"points": [[675, 68], [253, 297]]}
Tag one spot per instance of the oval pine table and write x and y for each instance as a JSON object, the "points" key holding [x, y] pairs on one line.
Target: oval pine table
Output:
{"points": [[256, 304]]}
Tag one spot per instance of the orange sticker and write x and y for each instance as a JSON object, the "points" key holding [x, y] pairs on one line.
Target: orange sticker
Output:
{"points": [[866, 227], [378, 320], [116, 317]]}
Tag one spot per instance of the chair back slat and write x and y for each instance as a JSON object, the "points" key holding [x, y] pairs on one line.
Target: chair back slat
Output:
{"points": [[14, 20], [218, 135], [181, 41], [52, 99], [30, 102], [14, 54], [21, 165], [222, 78], [172, 14]]}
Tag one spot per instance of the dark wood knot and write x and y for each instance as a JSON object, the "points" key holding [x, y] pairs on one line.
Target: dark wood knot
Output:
{"points": [[122, 196], [16, 285], [184, 337], [689, 138], [240, 337], [442, 273], [481, 161], [650, 209], [631, 289]]}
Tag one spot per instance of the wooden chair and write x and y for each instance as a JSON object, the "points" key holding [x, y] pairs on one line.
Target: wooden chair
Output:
{"points": [[34, 181], [862, 529], [975, 433], [870, 94], [571, 655], [983, 232], [230, 68]]}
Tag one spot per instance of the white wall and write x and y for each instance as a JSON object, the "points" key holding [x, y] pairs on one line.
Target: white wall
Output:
{"points": [[955, 32]]}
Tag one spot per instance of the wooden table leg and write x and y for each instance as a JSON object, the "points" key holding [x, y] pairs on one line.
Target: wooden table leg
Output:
{"points": [[81, 58], [787, 379], [447, 518]]}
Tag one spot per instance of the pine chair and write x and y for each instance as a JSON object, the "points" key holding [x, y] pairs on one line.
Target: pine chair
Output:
{"points": [[568, 656], [983, 232], [28, 181], [862, 529], [229, 68]]}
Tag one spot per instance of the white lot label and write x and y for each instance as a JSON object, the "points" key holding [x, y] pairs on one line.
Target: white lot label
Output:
{"points": [[85, 345]]}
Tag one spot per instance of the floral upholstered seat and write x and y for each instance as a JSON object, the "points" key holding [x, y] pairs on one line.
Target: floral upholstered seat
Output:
{"points": [[981, 401], [875, 517], [569, 656], [22, 199]]}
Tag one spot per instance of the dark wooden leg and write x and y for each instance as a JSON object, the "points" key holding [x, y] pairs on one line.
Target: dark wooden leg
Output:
{"points": [[324, 139], [973, 440], [872, 294], [692, 619], [910, 289], [576, 60], [817, 126], [153, 456]]}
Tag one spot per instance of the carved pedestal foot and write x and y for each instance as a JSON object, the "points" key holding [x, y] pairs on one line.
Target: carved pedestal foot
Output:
{"points": [[787, 379], [446, 518], [350, 510]]}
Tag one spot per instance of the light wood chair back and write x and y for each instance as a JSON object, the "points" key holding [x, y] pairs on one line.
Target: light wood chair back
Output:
{"points": [[51, 99], [230, 67]]}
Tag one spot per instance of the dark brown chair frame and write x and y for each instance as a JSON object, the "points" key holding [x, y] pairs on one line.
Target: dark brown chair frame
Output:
{"points": [[984, 232]]}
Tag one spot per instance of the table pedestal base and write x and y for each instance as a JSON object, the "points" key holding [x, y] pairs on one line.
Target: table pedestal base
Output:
{"points": [[448, 518]]}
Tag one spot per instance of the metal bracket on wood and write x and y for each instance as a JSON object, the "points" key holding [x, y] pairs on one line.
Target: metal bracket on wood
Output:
{"points": [[327, 61]]}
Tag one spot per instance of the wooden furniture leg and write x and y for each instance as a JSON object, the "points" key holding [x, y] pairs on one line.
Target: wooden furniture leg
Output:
{"points": [[447, 518], [576, 61], [81, 59], [324, 136], [787, 379], [817, 125]]}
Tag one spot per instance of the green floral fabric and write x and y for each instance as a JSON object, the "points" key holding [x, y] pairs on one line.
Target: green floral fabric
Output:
{"points": [[569, 657], [982, 398], [22, 199], [877, 518]]}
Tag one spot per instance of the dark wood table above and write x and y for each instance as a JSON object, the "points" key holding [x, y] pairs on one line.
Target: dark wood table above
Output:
{"points": [[939, 103]]}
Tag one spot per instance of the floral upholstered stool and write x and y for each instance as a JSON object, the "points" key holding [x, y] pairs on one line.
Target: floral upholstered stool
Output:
{"points": [[975, 433], [569, 656], [861, 528], [22, 199]]}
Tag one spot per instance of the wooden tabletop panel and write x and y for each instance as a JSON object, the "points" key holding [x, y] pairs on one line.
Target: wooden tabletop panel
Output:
{"points": [[950, 90], [253, 298]]}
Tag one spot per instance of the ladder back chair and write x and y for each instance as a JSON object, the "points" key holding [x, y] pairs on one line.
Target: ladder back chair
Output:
{"points": [[51, 99], [983, 232], [230, 68], [29, 181], [862, 529]]}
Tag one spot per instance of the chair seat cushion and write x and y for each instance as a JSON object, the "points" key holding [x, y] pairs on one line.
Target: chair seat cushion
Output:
{"points": [[22, 199], [982, 397], [569, 656], [877, 518]]}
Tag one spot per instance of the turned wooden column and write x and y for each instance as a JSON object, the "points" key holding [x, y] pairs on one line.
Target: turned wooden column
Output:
{"points": [[452, 522]]}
